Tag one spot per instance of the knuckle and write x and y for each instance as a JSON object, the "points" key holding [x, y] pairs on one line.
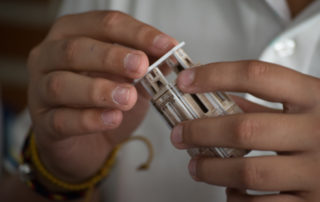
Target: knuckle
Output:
{"points": [[207, 78], [143, 32], [57, 125], [110, 19], [69, 49], [98, 95], [33, 57], [250, 175], [54, 85], [190, 133], [61, 20], [244, 131], [108, 56], [55, 31], [256, 70], [86, 122]]}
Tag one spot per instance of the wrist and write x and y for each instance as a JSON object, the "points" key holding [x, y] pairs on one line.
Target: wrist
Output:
{"points": [[48, 185], [61, 171], [67, 159]]}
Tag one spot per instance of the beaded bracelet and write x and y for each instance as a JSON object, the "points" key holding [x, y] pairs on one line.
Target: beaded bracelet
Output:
{"points": [[30, 159]]}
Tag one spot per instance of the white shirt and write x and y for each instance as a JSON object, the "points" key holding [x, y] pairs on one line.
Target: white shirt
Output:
{"points": [[214, 30]]}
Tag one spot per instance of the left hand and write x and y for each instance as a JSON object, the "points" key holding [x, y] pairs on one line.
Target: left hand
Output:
{"points": [[294, 132]]}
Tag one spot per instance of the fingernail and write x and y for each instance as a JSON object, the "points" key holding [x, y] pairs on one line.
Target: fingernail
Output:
{"points": [[161, 42], [107, 117], [177, 135], [186, 77], [120, 95], [193, 168], [132, 62]]}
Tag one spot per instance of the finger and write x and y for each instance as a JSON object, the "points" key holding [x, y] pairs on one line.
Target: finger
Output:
{"points": [[276, 132], [85, 54], [251, 107], [70, 89], [236, 196], [265, 80], [62, 123], [113, 26], [268, 173]]}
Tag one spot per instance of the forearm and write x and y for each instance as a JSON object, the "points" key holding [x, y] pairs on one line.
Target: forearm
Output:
{"points": [[14, 190]]}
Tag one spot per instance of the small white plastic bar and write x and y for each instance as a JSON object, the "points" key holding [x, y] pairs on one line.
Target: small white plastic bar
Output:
{"points": [[162, 59]]}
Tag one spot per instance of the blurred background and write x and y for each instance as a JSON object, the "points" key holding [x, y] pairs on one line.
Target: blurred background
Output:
{"points": [[23, 24]]}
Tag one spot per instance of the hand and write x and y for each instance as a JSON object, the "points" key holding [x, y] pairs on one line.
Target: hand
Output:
{"points": [[294, 132], [81, 98]]}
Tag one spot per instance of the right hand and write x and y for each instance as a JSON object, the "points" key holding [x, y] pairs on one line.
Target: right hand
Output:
{"points": [[81, 98]]}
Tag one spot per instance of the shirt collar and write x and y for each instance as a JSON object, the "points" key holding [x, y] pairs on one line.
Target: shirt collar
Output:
{"points": [[281, 9]]}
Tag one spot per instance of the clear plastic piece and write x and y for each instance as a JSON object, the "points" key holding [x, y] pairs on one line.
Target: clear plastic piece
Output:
{"points": [[176, 106]]}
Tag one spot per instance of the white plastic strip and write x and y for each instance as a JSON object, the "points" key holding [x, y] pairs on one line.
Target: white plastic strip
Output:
{"points": [[163, 58]]}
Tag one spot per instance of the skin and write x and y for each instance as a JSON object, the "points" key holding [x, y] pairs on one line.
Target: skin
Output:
{"points": [[73, 76], [81, 98], [95, 56], [297, 6], [292, 132]]}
